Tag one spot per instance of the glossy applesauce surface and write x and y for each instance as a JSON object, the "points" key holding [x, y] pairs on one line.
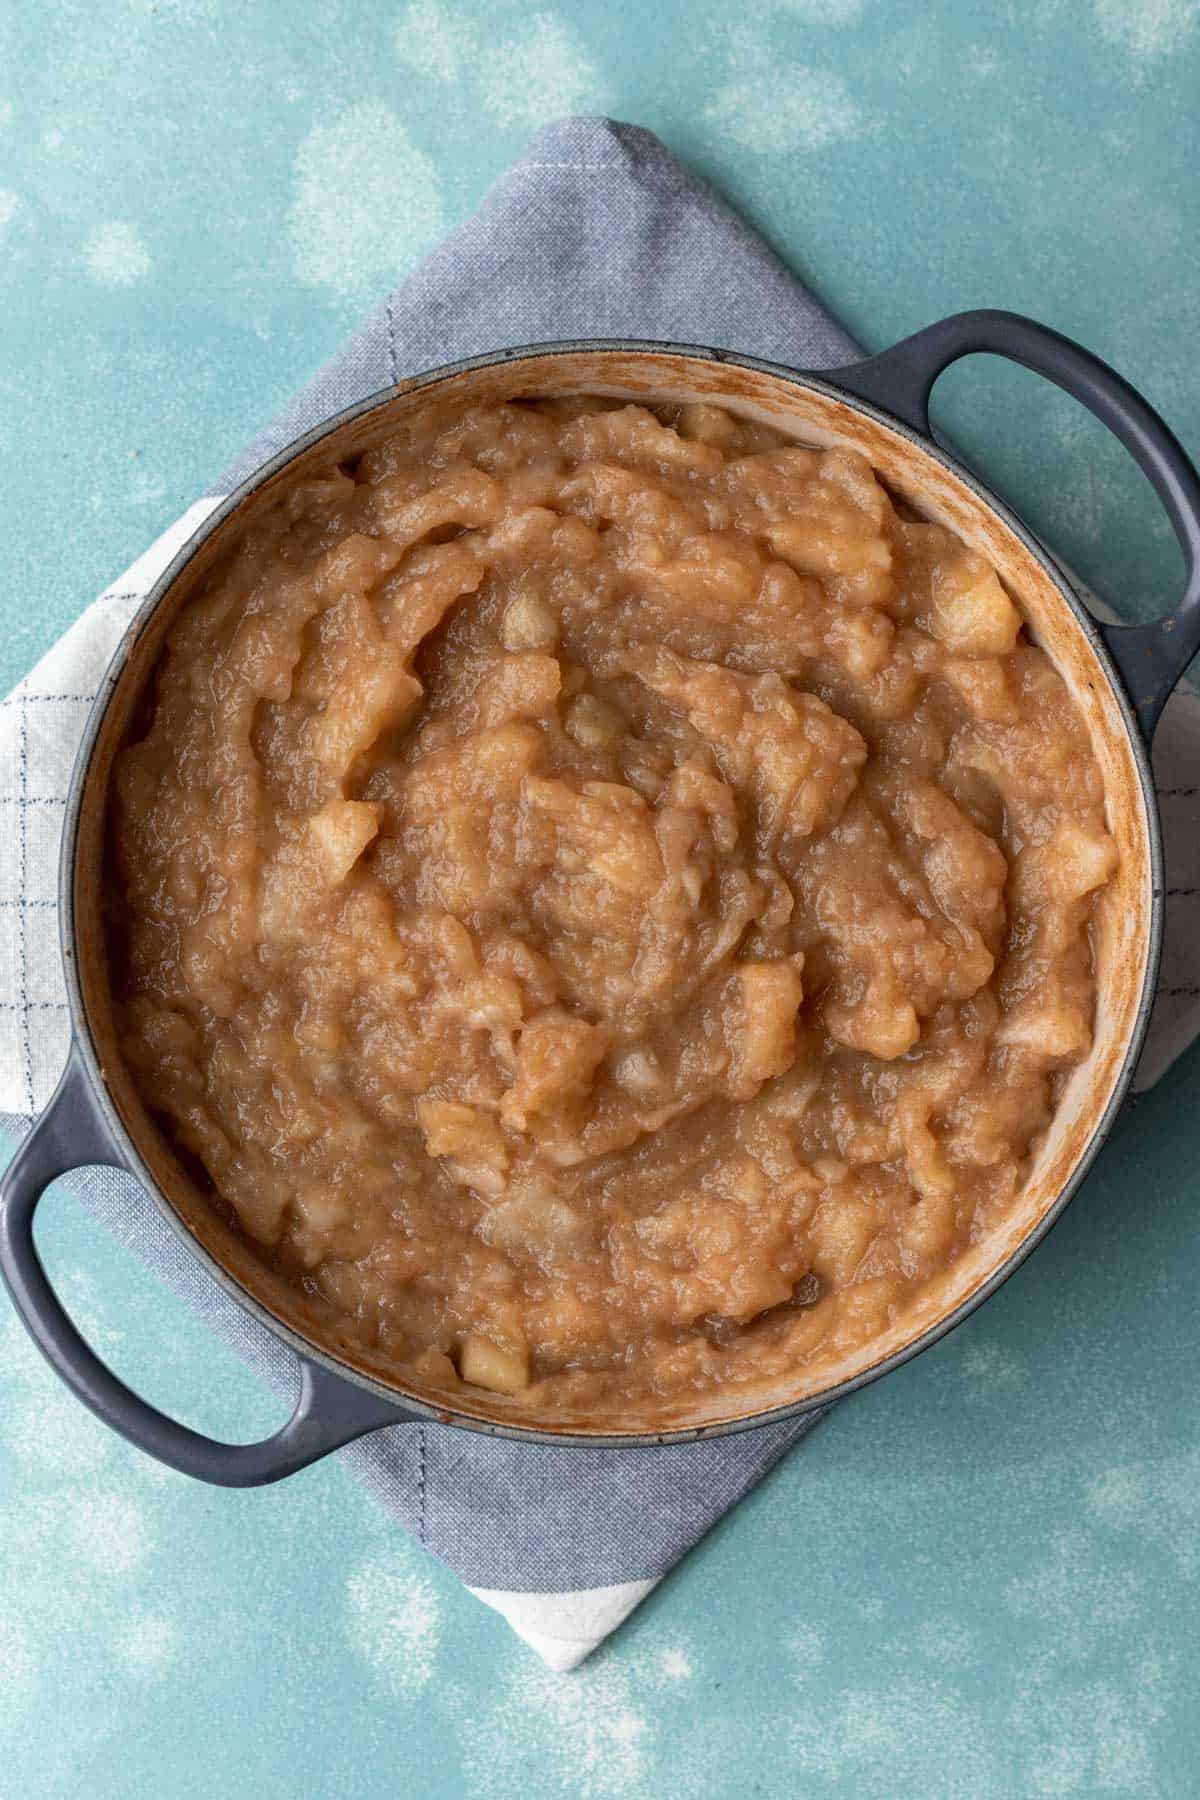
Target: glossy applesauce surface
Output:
{"points": [[604, 894]]}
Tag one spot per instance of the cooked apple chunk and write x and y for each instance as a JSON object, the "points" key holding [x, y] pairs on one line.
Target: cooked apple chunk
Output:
{"points": [[484, 1364], [339, 834]]}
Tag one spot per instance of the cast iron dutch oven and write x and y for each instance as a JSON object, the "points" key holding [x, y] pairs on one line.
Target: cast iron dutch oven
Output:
{"points": [[1119, 678]]}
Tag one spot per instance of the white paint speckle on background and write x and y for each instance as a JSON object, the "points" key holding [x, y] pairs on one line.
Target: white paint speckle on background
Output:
{"points": [[42, 1424], [367, 203], [18, 1664], [1157, 1500], [110, 1530], [946, 1642], [896, 1738], [6, 113], [10, 206], [584, 1734], [989, 1368], [115, 254], [806, 1649], [659, 1667], [1075, 1612], [395, 1620], [91, 1308], [821, 12], [540, 73], [431, 40], [789, 108], [1088, 1690], [675, 1664], [981, 61], [764, 101], [187, 12], [1117, 1496], [1092, 1735], [146, 1646], [48, 1430], [146, 489], [1147, 31]]}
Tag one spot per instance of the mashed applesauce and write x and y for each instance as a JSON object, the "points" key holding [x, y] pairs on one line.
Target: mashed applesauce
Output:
{"points": [[605, 894]]}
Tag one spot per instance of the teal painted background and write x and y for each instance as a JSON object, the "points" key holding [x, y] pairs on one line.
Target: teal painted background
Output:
{"points": [[979, 1578]]}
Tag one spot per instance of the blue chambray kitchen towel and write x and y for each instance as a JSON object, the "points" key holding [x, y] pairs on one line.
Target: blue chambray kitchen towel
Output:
{"points": [[598, 231]]}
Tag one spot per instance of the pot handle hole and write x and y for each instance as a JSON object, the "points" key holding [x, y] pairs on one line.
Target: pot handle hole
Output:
{"points": [[1151, 658], [329, 1410]]}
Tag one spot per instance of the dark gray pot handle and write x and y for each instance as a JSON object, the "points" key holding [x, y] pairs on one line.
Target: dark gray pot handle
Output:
{"points": [[329, 1411], [1151, 658]]}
